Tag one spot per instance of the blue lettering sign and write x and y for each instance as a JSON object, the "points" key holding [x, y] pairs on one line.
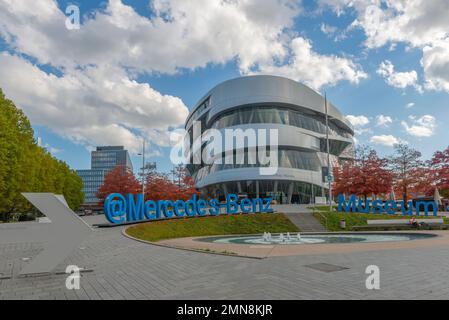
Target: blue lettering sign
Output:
{"points": [[379, 206], [115, 208], [132, 208]]}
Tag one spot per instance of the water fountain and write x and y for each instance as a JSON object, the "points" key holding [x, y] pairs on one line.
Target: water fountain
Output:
{"points": [[266, 237], [283, 238], [298, 239]]}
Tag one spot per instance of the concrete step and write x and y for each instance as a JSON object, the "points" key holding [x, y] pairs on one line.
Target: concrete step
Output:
{"points": [[305, 221]]}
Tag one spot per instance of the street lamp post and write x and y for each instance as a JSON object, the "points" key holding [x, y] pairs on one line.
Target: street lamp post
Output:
{"points": [[173, 172]]}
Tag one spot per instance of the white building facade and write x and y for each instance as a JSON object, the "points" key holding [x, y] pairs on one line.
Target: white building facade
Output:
{"points": [[298, 113]]}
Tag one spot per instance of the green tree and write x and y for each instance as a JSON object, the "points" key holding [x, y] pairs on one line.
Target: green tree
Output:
{"points": [[27, 167]]}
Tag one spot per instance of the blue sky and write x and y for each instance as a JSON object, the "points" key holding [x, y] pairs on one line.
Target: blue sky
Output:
{"points": [[134, 68]]}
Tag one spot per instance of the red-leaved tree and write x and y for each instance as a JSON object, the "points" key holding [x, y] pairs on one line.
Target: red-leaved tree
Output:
{"points": [[187, 188], [345, 178], [424, 181], [365, 175], [119, 180], [440, 164], [159, 187]]}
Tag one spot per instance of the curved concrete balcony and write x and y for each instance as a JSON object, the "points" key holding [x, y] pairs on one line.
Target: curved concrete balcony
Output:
{"points": [[242, 174], [288, 136]]}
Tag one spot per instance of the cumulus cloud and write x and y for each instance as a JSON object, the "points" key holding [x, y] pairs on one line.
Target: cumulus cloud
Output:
{"points": [[93, 106], [417, 23], [385, 140], [435, 62], [181, 34], [420, 127], [94, 69], [357, 121], [313, 69], [382, 120], [398, 79], [409, 105]]}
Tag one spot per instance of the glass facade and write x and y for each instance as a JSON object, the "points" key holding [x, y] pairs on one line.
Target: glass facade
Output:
{"points": [[282, 192], [92, 180], [287, 158], [107, 158], [103, 159], [336, 147], [278, 115], [273, 102]]}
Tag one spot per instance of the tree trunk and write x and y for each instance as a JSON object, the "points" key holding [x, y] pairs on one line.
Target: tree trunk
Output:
{"points": [[405, 197]]}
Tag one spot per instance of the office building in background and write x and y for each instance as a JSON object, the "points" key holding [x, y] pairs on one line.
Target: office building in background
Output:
{"points": [[103, 159]]}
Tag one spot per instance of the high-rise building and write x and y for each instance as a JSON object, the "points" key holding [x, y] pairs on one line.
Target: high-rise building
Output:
{"points": [[107, 158], [103, 159], [92, 180]]}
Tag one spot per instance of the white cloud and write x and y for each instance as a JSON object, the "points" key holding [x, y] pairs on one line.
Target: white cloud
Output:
{"points": [[93, 106], [48, 147], [328, 29], [357, 121], [182, 34], [333, 32], [410, 105], [385, 140], [382, 120], [398, 79], [313, 69], [435, 62], [420, 127], [417, 23], [97, 65]]}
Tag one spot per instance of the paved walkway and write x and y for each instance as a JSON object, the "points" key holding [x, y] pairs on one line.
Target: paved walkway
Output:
{"points": [[275, 250], [126, 269]]}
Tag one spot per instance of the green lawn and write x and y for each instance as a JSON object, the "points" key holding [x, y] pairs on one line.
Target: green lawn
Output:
{"points": [[355, 219], [209, 226]]}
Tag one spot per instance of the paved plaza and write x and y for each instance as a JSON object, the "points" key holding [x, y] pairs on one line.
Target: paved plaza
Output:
{"points": [[121, 268]]}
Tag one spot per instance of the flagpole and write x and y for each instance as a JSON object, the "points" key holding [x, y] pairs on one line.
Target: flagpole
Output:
{"points": [[329, 169], [143, 169]]}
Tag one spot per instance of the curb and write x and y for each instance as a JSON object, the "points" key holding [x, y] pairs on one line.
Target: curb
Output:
{"points": [[187, 249]]}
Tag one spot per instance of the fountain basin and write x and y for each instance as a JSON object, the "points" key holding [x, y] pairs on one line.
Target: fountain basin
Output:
{"points": [[316, 238]]}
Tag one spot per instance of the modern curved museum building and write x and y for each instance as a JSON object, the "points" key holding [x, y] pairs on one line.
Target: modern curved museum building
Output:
{"points": [[299, 115]]}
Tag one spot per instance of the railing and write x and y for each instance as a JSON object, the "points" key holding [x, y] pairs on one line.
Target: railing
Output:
{"points": [[325, 220], [322, 216]]}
